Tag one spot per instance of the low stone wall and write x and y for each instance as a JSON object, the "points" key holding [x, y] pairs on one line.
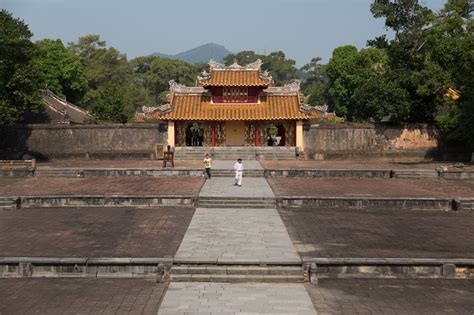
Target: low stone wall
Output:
{"points": [[82, 141], [369, 140]]}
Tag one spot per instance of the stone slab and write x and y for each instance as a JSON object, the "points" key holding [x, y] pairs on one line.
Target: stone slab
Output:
{"points": [[245, 236], [225, 298], [224, 187]]}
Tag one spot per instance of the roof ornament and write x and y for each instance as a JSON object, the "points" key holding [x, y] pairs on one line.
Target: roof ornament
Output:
{"points": [[204, 76], [162, 109], [214, 65], [287, 89], [256, 65], [265, 76], [308, 109], [235, 65], [182, 89], [147, 110]]}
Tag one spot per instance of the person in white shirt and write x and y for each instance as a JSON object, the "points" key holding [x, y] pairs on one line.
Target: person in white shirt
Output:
{"points": [[239, 168]]}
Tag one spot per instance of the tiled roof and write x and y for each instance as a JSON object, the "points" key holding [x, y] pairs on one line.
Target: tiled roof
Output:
{"points": [[234, 78], [197, 107]]}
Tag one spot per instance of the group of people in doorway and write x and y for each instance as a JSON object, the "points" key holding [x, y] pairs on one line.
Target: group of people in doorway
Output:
{"points": [[238, 168]]}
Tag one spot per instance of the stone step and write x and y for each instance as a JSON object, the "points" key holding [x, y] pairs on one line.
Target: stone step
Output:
{"points": [[236, 273], [231, 153], [41, 172], [8, 202], [236, 206], [415, 174], [231, 173], [238, 202]]}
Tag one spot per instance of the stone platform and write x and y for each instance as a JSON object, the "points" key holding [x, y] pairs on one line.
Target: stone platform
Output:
{"points": [[252, 245]]}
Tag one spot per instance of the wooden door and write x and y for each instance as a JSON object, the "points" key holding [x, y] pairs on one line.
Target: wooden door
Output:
{"points": [[235, 133]]}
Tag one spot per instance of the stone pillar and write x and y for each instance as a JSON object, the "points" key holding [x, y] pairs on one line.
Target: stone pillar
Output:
{"points": [[299, 135], [171, 135]]}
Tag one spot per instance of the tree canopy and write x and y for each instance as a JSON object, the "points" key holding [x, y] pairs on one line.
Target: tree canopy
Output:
{"points": [[20, 80], [63, 71]]}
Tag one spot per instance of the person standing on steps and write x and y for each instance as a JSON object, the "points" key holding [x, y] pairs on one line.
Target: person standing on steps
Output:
{"points": [[207, 165], [239, 169]]}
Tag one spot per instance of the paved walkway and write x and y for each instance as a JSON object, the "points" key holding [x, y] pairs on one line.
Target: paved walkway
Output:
{"points": [[222, 298], [224, 187], [237, 235]]}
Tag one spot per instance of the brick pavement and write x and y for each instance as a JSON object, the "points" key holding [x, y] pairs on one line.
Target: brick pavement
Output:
{"points": [[392, 296], [380, 234], [138, 186], [93, 232], [378, 187], [80, 296], [356, 164], [225, 298]]}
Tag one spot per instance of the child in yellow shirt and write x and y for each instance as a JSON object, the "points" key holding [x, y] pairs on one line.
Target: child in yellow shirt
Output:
{"points": [[207, 165]]}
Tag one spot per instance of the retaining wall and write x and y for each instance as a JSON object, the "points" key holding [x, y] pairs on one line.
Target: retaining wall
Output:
{"points": [[349, 140], [94, 141]]}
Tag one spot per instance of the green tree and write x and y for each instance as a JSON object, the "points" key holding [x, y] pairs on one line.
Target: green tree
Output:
{"points": [[63, 71], [20, 81], [109, 105], [155, 73], [113, 94], [104, 65], [316, 83]]}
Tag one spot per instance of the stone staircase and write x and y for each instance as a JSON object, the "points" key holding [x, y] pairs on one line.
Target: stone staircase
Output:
{"points": [[233, 202], [231, 173], [236, 273], [233, 153], [8, 202]]}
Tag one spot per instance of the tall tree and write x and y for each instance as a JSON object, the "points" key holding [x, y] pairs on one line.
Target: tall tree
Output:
{"points": [[316, 83], [155, 73], [108, 75], [19, 79], [63, 71]]}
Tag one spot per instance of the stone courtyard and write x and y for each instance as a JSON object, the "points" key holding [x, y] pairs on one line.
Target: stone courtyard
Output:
{"points": [[234, 250]]}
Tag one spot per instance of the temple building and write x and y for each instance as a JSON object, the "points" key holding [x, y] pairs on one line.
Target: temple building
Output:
{"points": [[235, 106]]}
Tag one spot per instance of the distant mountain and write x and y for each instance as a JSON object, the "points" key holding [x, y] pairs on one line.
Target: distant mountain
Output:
{"points": [[201, 54]]}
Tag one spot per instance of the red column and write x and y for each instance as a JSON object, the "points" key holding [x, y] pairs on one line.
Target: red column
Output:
{"points": [[256, 134], [213, 133]]}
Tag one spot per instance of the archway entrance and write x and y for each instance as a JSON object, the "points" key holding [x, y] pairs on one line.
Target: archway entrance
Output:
{"points": [[194, 135], [279, 139]]}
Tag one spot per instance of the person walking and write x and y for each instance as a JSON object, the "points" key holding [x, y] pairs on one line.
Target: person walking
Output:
{"points": [[207, 165], [239, 169]]}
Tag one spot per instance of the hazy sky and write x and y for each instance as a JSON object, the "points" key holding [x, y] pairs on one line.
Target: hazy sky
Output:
{"points": [[303, 29]]}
